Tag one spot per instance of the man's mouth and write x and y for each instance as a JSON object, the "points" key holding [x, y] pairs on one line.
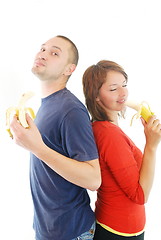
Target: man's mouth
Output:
{"points": [[39, 63]]}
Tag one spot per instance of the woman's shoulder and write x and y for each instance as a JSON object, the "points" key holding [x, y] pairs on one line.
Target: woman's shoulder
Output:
{"points": [[110, 133], [105, 125], [106, 129]]}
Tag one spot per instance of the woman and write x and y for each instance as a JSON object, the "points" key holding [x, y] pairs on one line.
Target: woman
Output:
{"points": [[127, 174]]}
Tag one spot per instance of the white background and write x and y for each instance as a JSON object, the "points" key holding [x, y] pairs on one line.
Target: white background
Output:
{"points": [[125, 31]]}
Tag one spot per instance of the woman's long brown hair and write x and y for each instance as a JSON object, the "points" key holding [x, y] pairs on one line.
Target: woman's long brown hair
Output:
{"points": [[93, 79]]}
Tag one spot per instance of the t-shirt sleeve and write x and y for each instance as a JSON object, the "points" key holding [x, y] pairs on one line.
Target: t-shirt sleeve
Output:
{"points": [[77, 136], [123, 160]]}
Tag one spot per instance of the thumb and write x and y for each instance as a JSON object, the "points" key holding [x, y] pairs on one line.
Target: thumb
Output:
{"points": [[143, 121], [29, 120]]}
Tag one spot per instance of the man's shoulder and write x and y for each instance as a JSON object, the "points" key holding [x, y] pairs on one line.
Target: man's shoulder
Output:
{"points": [[72, 101]]}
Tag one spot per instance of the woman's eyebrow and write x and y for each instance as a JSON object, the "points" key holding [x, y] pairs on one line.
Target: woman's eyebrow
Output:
{"points": [[113, 84]]}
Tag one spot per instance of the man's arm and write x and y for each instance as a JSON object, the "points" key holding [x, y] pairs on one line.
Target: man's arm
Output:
{"points": [[85, 174]]}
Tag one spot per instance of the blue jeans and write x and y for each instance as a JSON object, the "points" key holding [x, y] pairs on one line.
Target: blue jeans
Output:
{"points": [[87, 235]]}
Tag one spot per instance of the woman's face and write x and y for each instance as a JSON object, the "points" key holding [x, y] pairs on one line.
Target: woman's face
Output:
{"points": [[113, 93]]}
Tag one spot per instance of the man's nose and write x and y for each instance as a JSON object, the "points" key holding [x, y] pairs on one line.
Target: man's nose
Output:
{"points": [[42, 56]]}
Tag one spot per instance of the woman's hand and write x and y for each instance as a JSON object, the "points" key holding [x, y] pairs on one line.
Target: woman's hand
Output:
{"points": [[152, 130]]}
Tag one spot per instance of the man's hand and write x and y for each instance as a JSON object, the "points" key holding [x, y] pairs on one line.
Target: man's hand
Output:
{"points": [[28, 138]]}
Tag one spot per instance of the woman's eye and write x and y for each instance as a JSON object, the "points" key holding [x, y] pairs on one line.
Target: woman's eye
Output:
{"points": [[114, 89], [42, 49]]}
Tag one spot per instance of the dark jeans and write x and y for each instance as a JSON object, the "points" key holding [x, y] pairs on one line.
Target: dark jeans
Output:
{"points": [[87, 235], [103, 234]]}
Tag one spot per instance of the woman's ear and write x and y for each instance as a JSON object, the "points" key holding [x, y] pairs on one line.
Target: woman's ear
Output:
{"points": [[97, 99]]}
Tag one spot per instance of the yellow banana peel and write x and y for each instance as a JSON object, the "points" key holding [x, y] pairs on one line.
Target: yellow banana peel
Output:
{"points": [[20, 111], [143, 110]]}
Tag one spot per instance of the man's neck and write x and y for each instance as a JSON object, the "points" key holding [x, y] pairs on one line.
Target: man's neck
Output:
{"points": [[48, 89]]}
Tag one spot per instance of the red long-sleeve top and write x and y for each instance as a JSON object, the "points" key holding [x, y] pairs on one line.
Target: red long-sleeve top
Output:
{"points": [[120, 198]]}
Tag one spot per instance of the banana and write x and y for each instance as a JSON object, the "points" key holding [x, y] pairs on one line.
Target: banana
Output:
{"points": [[20, 111], [143, 110]]}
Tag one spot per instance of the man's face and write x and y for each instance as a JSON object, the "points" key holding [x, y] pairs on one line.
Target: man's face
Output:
{"points": [[52, 59]]}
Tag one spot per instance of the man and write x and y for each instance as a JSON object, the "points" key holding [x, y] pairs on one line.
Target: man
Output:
{"points": [[64, 160]]}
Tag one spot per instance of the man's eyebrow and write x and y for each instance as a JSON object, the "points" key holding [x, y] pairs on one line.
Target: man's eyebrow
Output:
{"points": [[54, 47], [57, 48]]}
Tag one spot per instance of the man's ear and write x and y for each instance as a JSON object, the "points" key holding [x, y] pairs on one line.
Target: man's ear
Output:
{"points": [[70, 69]]}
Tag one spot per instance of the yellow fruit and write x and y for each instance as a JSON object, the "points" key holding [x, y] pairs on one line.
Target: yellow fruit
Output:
{"points": [[20, 111], [143, 110]]}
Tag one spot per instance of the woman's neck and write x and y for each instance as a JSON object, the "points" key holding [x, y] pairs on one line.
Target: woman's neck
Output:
{"points": [[114, 117]]}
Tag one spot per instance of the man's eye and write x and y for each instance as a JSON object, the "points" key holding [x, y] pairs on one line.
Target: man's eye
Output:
{"points": [[54, 53], [42, 49], [125, 85]]}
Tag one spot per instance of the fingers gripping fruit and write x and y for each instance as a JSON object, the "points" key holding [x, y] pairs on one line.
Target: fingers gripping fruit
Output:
{"points": [[20, 111], [143, 110]]}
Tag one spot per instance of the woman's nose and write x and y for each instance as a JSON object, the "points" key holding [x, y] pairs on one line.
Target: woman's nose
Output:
{"points": [[123, 91]]}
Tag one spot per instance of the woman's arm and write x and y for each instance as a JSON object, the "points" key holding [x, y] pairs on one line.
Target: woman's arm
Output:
{"points": [[132, 171], [153, 136], [85, 174]]}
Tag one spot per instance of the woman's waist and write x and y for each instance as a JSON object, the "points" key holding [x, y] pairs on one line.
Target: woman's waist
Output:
{"points": [[120, 233], [124, 219]]}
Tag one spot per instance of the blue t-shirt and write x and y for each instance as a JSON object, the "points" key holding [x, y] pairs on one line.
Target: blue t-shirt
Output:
{"points": [[61, 209]]}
